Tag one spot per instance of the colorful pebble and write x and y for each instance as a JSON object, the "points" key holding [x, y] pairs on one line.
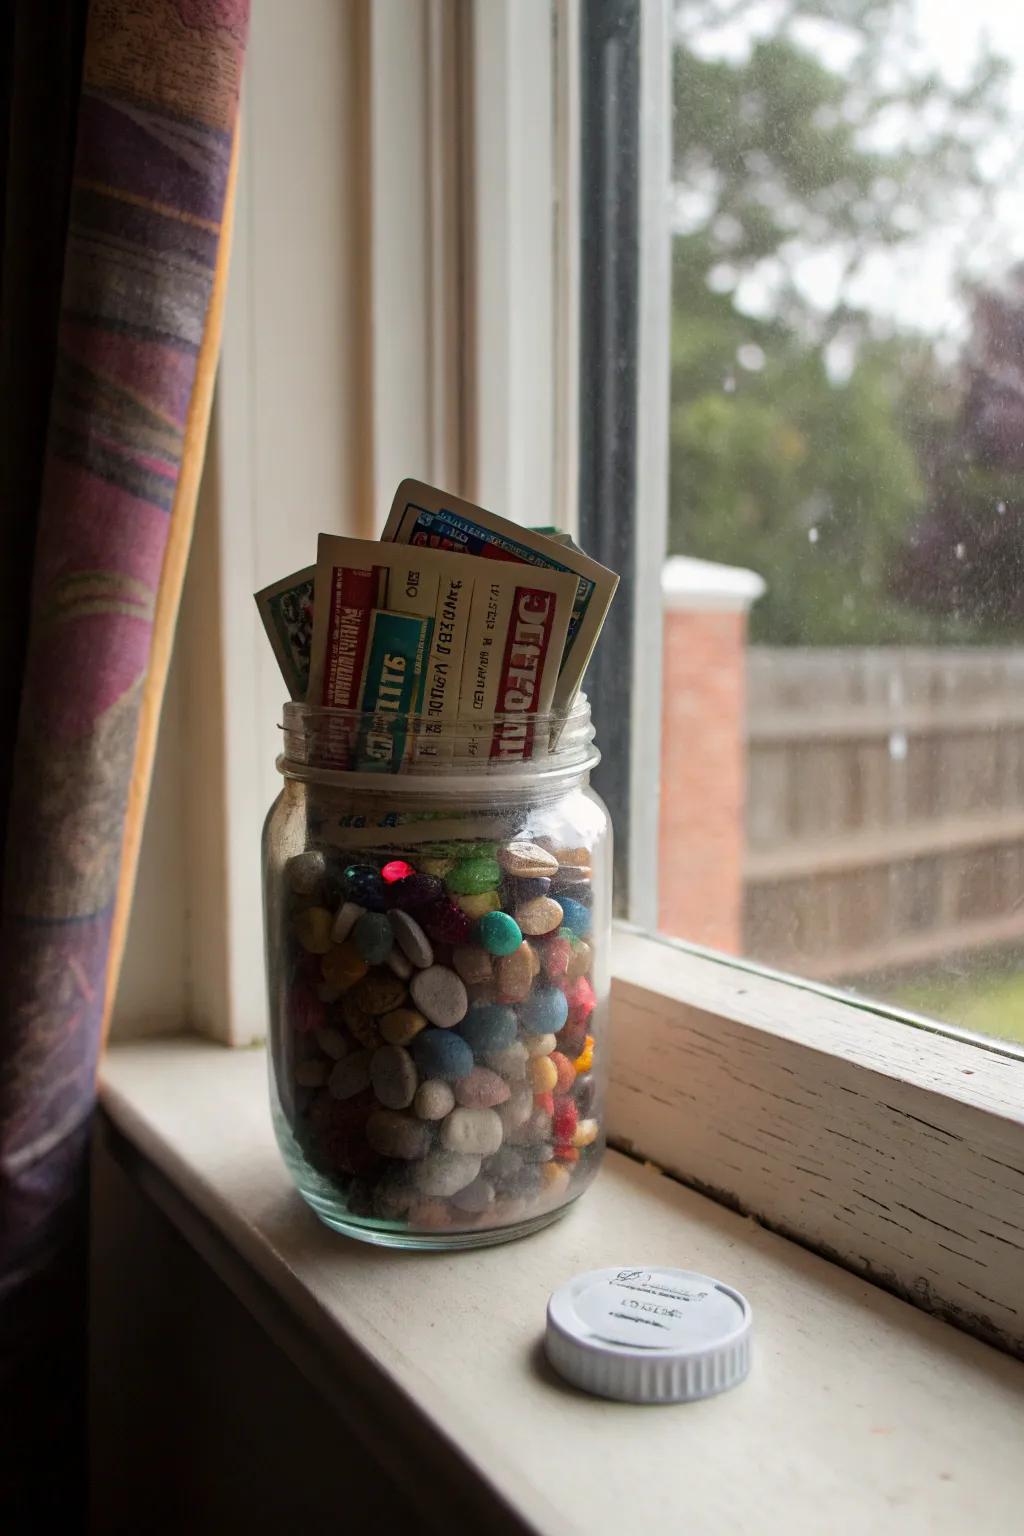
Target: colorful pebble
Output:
{"points": [[446, 1171], [514, 974], [412, 941], [544, 1011], [576, 916], [543, 1074], [349, 914], [393, 1134], [305, 872], [378, 992], [479, 904], [396, 869], [440, 994], [313, 930], [499, 933], [481, 1089], [472, 963], [470, 876], [434, 1099], [478, 1132], [437, 1053], [393, 1077], [364, 886], [585, 1060], [565, 1120], [526, 859], [343, 965], [373, 937], [539, 916], [566, 1072], [350, 1075], [401, 1025], [488, 1027]]}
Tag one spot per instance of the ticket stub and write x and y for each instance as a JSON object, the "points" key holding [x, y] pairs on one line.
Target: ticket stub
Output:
{"points": [[393, 688], [429, 518], [286, 609], [517, 633]]}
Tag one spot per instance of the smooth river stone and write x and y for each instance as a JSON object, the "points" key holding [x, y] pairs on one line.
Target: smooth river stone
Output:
{"points": [[514, 974], [472, 963], [482, 1089], [373, 937], [399, 964], [543, 1012], [349, 914], [470, 876], [441, 995], [379, 992], [412, 941], [401, 1025], [306, 871], [517, 1108], [539, 916], [509, 1063], [476, 1197], [396, 1135], [540, 1045], [350, 1075], [440, 1054], [313, 929], [489, 1027], [393, 1076], [444, 1172], [434, 1099], [524, 860], [478, 1132]]}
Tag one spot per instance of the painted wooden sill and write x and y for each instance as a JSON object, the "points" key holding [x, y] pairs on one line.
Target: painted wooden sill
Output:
{"points": [[861, 1413]]}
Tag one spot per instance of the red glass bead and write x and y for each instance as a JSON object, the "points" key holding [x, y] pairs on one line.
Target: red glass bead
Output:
{"points": [[396, 869]]}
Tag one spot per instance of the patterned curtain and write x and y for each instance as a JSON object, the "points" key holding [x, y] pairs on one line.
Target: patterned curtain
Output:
{"points": [[117, 139]]}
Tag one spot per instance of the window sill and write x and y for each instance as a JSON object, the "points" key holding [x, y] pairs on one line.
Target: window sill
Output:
{"points": [[857, 1402]]}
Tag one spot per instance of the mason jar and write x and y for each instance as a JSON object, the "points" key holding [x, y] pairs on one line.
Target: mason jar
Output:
{"points": [[437, 966]]}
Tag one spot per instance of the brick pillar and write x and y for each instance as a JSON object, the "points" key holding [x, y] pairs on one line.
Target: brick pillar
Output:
{"points": [[703, 751]]}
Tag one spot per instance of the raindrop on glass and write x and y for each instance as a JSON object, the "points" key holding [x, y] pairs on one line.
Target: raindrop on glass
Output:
{"points": [[812, 534]]}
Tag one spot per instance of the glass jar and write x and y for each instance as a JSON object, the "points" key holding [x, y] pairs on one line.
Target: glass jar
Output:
{"points": [[437, 965]]}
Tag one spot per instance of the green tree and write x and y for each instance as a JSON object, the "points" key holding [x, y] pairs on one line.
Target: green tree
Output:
{"points": [[780, 459]]}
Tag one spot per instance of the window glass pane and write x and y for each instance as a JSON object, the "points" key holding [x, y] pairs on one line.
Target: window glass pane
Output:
{"points": [[843, 726]]}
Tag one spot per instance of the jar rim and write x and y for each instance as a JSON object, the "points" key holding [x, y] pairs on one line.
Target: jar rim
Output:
{"points": [[326, 745]]}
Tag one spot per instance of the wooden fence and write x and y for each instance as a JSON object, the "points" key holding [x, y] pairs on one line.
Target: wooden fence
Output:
{"points": [[885, 806]]}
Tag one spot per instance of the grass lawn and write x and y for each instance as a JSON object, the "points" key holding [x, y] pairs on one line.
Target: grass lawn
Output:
{"points": [[990, 1001]]}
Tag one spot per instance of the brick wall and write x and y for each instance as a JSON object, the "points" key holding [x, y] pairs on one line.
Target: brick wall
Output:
{"points": [[703, 753]]}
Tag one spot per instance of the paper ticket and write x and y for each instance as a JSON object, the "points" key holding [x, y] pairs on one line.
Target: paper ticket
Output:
{"points": [[518, 625], [286, 609], [429, 518], [396, 663]]}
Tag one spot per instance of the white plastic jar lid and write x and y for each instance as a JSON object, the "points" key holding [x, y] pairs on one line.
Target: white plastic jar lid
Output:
{"points": [[645, 1335]]}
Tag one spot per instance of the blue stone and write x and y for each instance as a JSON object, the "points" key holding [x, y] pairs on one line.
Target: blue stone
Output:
{"points": [[489, 1027], [441, 1053], [364, 886], [575, 916], [544, 1011]]}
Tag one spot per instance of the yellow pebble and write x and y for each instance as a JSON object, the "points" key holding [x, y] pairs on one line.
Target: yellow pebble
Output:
{"points": [[313, 929], [585, 1060], [543, 1074], [479, 903], [586, 1133], [401, 1025], [343, 965], [439, 867], [555, 1178]]}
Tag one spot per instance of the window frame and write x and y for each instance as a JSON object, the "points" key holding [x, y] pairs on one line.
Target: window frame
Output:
{"points": [[692, 1029]]}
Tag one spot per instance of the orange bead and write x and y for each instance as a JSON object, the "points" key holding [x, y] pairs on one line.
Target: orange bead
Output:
{"points": [[585, 1060], [566, 1072], [343, 965]]}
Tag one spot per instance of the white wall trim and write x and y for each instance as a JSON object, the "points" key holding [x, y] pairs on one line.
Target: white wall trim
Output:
{"points": [[653, 405]]}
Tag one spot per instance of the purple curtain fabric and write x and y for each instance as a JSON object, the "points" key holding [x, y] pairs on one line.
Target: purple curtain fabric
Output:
{"points": [[153, 131]]}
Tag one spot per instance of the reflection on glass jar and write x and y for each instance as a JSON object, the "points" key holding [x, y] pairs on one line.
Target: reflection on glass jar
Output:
{"points": [[437, 963]]}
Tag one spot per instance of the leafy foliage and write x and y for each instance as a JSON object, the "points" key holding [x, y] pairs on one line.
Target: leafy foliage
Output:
{"points": [[803, 437]]}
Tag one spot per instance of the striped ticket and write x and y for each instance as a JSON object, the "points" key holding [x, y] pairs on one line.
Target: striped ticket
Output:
{"points": [[431, 519], [518, 625]]}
